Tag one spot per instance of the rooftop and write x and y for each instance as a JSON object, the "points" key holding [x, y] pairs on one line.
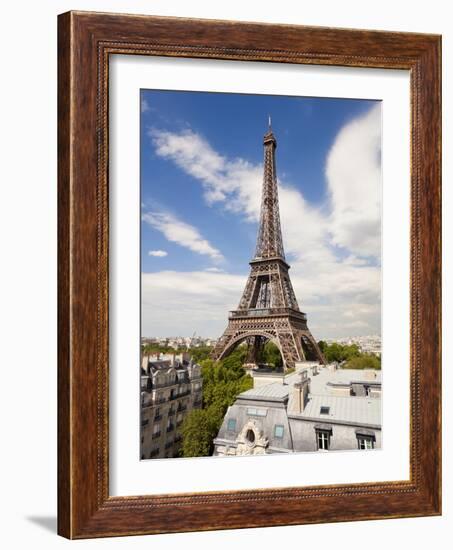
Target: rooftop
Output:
{"points": [[356, 410], [318, 383], [344, 409], [270, 392]]}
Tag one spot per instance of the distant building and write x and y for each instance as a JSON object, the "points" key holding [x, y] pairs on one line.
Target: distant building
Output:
{"points": [[171, 387], [366, 344], [315, 408]]}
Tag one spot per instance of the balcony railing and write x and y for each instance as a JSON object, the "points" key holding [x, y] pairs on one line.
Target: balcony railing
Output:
{"points": [[170, 428], [156, 435], [267, 312]]}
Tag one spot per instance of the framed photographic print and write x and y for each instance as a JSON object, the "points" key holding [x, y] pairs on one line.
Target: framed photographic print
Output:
{"points": [[249, 275]]}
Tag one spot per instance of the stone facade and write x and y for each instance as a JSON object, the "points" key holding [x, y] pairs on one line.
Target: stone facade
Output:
{"points": [[170, 389]]}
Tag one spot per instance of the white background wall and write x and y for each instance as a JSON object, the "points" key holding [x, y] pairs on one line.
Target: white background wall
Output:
{"points": [[28, 125]]}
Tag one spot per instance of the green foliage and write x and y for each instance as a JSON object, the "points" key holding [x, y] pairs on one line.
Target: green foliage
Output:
{"points": [[223, 381], [272, 356], [323, 345], [351, 355], [151, 349], [197, 434], [200, 353], [338, 352], [366, 361], [236, 359]]}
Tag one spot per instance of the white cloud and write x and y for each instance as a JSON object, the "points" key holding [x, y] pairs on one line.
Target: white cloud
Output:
{"points": [[144, 106], [183, 302], [181, 233], [214, 270], [235, 183], [353, 172], [158, 253], [339, 292]]}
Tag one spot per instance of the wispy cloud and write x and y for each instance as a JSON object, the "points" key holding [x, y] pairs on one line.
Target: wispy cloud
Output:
{"points": [[144, 106], [334, 249], [158, 253], [235, 183], [177, 231]]}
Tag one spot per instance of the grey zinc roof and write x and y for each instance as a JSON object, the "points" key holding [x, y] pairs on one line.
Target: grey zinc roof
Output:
{"points": [[354, 410], [269, 392], [318, 383]]}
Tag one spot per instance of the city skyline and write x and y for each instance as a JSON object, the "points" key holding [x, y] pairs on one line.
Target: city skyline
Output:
{"points": [[201, 167]]}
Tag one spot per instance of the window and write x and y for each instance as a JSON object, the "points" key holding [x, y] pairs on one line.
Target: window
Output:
{"points": [[231, 424], [256, 412], [323, 440], [250, 437], [365, 442], [279, 431], [324, 410], [156, 431]]}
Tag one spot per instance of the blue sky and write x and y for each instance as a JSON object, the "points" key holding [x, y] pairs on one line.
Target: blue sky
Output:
{"points": [[201, 173]]}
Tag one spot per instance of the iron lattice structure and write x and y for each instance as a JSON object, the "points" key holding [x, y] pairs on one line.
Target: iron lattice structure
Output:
{"points": [[268, 309]]}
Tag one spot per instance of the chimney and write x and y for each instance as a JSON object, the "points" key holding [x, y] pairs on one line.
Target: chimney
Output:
{"points": [[298, 395], [145, 360]]}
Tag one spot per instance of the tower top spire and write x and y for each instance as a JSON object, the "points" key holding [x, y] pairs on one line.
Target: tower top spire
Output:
{"points": [[270, 123], [269, 242]]}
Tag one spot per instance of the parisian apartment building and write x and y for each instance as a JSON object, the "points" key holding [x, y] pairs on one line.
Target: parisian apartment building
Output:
{"points": [[171, 387], [316, 408]]}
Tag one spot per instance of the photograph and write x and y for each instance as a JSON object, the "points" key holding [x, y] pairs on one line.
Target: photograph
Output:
{"points": [[260, 274]]}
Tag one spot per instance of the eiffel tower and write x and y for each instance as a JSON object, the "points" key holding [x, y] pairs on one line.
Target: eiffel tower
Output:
{"points": [[268, 309]]}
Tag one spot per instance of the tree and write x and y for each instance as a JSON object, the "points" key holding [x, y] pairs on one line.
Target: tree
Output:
{"points": [[337, 352], [223, 381], [351, 355], [322, 346], [196, 434], [272, 356], [365, 361], [200, 353]]}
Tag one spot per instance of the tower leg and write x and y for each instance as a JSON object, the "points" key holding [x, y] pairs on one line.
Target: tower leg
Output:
{"points": [[310, 348]]}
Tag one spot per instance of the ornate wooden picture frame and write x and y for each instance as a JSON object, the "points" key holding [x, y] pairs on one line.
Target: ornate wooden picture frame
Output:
{"points": [[85, 507]]}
